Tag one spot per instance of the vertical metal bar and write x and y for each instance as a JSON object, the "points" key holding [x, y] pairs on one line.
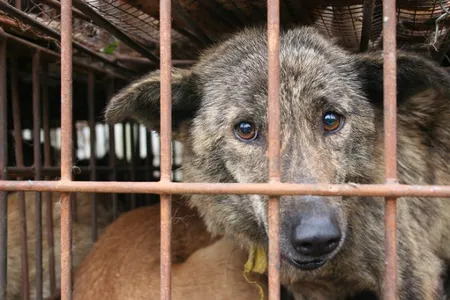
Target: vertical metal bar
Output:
{"points": [[92, 137], [73, 196], [133, 163], [112, 150], [390, 143], [48, 195], [37, 168], [149, 158], [367, 25], [20, 163], [166, 133], [273, 23], [125, 152], [66, 147], [137, 159], [3, 169]]}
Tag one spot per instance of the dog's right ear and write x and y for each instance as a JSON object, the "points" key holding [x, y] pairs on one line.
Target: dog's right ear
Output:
{"points": [[140, 100]]}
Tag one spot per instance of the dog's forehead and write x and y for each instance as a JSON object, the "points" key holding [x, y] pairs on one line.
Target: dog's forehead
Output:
{"points": [[236, 72]]}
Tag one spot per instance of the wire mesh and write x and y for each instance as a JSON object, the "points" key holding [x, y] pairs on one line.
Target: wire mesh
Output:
{"points": [[420, 24]]}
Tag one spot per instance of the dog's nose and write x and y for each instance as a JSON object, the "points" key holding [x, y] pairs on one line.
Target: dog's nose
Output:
{"points": [[316, 236]]}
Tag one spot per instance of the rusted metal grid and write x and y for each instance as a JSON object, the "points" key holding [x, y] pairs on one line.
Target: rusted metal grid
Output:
{"points": [[274, 188], [41, 100], [45, 58]]}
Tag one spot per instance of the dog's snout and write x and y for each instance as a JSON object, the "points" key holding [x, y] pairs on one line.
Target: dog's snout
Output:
{"points": [[316, 235]]}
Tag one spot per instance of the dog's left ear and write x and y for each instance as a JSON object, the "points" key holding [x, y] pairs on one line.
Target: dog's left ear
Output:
{"points": [[421, 83]]}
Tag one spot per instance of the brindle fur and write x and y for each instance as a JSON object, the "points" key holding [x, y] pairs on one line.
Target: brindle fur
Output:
{"points": [[229, 84]]}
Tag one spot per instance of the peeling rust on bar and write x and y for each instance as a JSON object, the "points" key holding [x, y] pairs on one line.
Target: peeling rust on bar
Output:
{"points": [[37, 166], [166, 155], [390, 144], [92, 142], [3, 169], [19, 162], [66, 147], [273, 35]]}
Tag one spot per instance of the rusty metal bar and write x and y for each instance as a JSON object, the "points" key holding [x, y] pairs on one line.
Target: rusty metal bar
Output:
{"points": [[390, 144], [133, 163], [112, 148], [73, 196], [279, 189], [19, 162], [92, 142], [165, 26], [82, 66], [149, 158], [125, 152], [66, 147], [114, 30], [76, 13], [37, 166], [367, 25], [3, 169], [48, 195], [112, 165], [273, 35], [137, 156], [23, 17]]}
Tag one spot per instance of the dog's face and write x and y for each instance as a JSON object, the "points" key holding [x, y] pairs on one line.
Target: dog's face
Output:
{"points": [[331, 103]]}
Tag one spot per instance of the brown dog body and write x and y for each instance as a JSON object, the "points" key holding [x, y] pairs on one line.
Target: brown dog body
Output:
{"points": [[124, 264]]}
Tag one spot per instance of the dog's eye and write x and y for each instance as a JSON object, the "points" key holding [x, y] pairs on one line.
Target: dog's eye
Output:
{"points": [[332, 122], [246, 131]]}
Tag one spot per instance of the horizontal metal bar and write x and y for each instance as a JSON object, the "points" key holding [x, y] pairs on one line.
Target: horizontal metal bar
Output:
{"points": [[271, 189]]}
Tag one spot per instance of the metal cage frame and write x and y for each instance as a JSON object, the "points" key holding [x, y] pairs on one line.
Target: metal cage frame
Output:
{"points": [[165, 187]]}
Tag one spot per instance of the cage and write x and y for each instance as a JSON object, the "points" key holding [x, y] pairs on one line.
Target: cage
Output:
{"points": [[52, 132]]}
